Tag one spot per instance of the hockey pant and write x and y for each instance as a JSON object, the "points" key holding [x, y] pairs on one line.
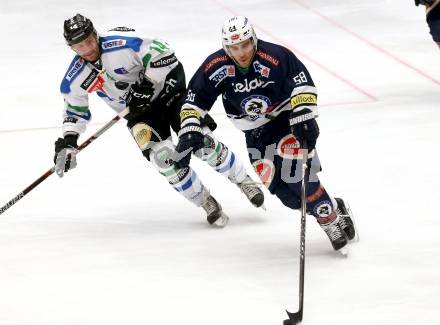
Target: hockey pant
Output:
{"points": [[274, 153], [185, 180]]}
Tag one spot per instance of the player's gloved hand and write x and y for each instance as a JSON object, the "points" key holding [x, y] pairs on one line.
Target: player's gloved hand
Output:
{"points": [[304, 126], [424, 2], [65, 154], [190, 140], [139, 97]]}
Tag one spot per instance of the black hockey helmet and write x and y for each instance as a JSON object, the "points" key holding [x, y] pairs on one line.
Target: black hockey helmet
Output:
{"points": [[77, 29]]}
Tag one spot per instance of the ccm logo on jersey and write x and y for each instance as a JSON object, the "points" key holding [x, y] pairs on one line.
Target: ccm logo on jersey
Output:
{"points": [[265, 170], [222, 73], [113, 44], [163, 62]]}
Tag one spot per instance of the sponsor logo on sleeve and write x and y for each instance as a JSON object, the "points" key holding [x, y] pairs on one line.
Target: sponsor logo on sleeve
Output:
{"points": [[303, 99], [165, 61], [222, 73], [187, 113], [113, 44], [265, 170], [74, 69]]}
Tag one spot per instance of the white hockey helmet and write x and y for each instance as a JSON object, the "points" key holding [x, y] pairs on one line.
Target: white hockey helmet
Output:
{"points": [[236, 30]]}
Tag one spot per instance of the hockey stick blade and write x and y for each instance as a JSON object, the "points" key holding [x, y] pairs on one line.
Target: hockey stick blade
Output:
{"points": [[294, 318]]}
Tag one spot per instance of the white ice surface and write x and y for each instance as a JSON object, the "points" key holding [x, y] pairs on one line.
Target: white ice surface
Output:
{"points": [[112, 243]]}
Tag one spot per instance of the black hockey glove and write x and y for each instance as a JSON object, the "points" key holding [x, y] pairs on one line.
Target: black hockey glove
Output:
{"points": [[190, 140], [139, 97], [424, 2], [304, 126], [65, 154]]}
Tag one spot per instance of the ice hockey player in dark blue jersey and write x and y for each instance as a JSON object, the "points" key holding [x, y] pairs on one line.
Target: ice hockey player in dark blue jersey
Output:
{"points": [[432, 17], [268, 94]]}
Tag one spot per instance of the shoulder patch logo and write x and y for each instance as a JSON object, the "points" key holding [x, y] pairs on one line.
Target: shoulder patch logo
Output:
{"points": [[78, 64], [222, 73], [214, 61]]}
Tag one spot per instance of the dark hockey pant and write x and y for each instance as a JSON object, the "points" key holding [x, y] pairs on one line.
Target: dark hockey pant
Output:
{"points": [[274, 153]]}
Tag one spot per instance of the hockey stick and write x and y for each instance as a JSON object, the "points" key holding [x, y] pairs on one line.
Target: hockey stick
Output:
{"points": [[295, 318], [52, 170]]}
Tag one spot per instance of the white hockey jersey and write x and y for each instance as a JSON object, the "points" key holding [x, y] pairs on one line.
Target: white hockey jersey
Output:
{"points": [[124, 61]]}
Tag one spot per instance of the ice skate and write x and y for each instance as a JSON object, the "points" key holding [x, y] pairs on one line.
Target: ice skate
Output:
{"points": [[252, 190], [215, 215], [336, 236], [346, 220]]}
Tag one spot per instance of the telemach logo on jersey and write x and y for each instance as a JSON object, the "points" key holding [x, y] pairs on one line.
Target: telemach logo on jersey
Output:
{"points": [[265, 170]]}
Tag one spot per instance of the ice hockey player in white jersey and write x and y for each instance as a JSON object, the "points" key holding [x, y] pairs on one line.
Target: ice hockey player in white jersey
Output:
{"points": [[268, 94], [145, 76]]}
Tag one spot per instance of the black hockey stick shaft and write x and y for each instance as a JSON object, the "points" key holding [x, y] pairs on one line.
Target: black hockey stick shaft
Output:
{"points": [[295, 318], [43, 177]]}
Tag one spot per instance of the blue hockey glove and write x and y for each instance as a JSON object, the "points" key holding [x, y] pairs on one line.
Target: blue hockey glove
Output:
{"points": [[304, 126]]}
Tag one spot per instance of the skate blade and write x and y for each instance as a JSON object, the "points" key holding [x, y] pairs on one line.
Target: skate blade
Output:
{"points": [[222, 221], [356, 236], [343, 251]]}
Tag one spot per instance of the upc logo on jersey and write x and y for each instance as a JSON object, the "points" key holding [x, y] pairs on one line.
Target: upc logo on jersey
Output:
{"points": [[74, 69], [255, 106], [113, 44], [221, 73], [261, 69]]}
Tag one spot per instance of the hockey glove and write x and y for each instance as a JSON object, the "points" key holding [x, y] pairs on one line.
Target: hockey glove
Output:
{"points": [[139, 97], [424, 2], [65, 154], [304, 126], [190, 140]]}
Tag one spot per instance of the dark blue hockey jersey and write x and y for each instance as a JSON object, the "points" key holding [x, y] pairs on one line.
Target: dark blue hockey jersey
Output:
{"points": [[275, 81]]}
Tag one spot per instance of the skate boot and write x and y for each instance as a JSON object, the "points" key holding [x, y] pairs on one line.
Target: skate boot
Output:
{"points": [[346, 219], [336, 235], [252, 191], [215, 215]]}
